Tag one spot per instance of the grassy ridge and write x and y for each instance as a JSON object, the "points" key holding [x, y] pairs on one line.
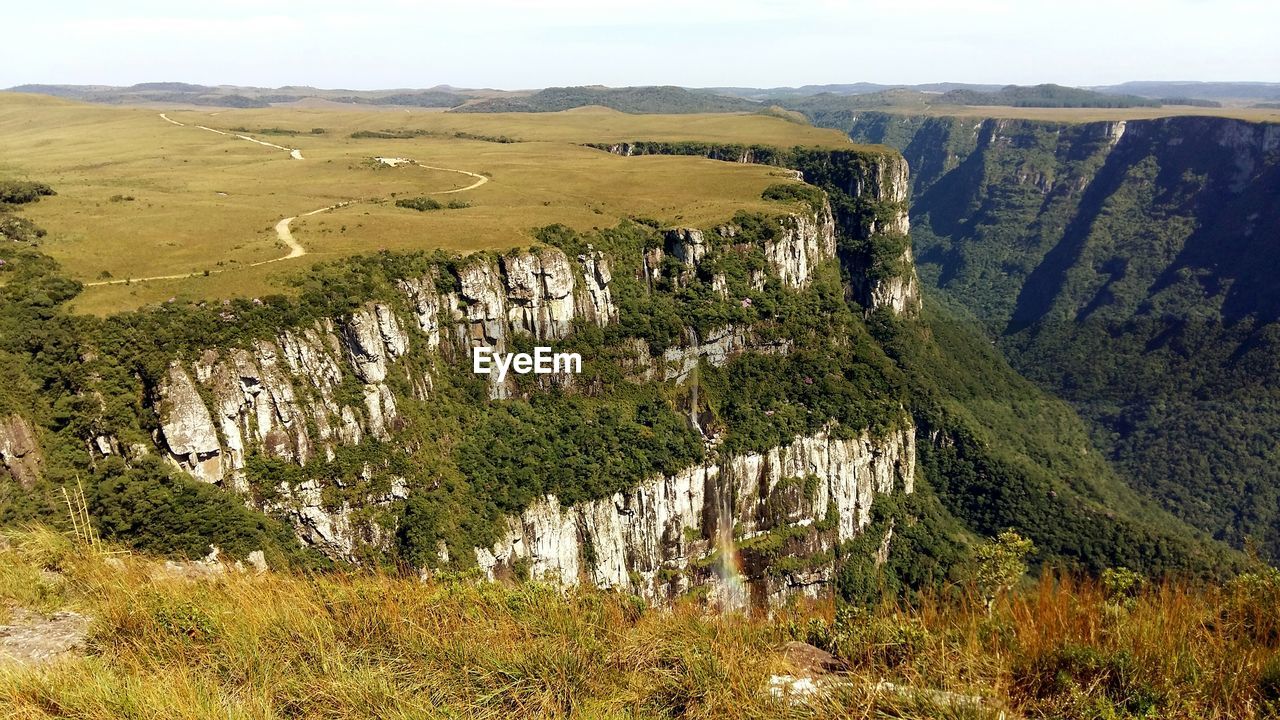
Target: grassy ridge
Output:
{"points": [[369, 645]]}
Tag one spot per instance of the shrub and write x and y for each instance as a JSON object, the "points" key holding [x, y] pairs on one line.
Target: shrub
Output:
{"points": [[1000, 564], [421, 204], [796, 192], [1114, 679], [867, 639], [18, 192], [1121, 586], [19, 229], [1254, 599]]}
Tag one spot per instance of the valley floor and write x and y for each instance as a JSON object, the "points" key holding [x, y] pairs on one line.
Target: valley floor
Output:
{"points": [[200, 641]]}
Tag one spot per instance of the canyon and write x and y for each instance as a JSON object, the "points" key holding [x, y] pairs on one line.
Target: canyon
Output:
{"points": [[1127, 266], [300, 396]]}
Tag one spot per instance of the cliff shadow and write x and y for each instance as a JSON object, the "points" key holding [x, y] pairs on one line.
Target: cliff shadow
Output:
{"points": [[1043, 284]]}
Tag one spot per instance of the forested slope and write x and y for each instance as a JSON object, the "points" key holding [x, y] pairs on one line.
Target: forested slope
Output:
{"points": [[1128, 267]]}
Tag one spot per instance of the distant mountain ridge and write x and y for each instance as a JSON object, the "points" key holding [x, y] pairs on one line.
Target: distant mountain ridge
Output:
{"points": [[676, 99], [640, 99], [646, 99], [1197, 90], [245, 97]]}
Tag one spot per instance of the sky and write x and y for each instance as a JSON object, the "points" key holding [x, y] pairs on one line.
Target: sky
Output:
{"points": [[509, 44]]}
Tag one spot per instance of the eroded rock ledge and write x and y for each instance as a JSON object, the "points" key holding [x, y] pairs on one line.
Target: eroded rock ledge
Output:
{"points": [[661, 538]]}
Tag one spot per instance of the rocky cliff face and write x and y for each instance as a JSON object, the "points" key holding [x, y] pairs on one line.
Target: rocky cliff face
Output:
{"points": [[898, 289], [899, 293], [1004, 206], [876, 186], [19, 452], [673, 533], [310, 391]]}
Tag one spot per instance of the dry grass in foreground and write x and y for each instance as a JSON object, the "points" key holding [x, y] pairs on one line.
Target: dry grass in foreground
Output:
{"points": [[366, 645]]}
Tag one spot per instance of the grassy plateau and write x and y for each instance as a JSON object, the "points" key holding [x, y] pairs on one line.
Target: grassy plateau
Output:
{"points": [[139, 196]]}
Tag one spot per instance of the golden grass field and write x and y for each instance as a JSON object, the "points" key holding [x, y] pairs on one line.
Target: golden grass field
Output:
{"points": [[209, 202], [165, 642]]}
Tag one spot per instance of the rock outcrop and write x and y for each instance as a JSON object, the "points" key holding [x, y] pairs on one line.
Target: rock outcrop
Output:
{"points": [[899, 292], [660, 539], [877, 184], [188, 428], [31, 638], [884, 282], [310, 390], [807, 240], [19, 452]]}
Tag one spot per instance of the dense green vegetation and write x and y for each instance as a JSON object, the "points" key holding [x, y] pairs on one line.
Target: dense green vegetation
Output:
{"points": [[420, 204], [403, 134], [425, 98], [18, 192], [1133, 278], [796, 192], [13, 194], [1003, 453], [820, 107], [1047, 95]]}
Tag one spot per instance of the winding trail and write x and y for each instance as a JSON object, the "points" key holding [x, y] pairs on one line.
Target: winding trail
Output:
{"points": [[283, 232], [294, 153], [295, 248], [480, 180]]}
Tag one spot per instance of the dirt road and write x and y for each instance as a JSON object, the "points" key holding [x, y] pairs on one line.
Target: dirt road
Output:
{"points": [[283, 233]]}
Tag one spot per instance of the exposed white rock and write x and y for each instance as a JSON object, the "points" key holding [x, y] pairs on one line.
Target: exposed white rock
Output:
{"points": [[807, 241], [686, 244], [279, 398], [539, 293], [425, 300], [30, 639], [717, 348], [900, 293], [187, 427], [648, 540], [258, 561], [597, 277], [1115, 131], [394, 340], [330, 530], [365, 346], [291, 398], [678, 363], [484, 305], [19, 452]]}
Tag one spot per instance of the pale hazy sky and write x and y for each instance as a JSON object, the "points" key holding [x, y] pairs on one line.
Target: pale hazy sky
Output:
{"points": [[509, 44]]}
